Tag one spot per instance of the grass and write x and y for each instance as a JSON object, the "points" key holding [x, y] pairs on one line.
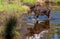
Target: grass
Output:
{"points": [[14, 6], [20, 8], [27, 1], [1, 8]]}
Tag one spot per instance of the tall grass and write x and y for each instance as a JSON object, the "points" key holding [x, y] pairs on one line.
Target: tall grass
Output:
{"points": [[10, 24]]}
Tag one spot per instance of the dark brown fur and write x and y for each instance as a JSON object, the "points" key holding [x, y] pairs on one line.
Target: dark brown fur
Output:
{"points": [[37, 10], [38, 27]]}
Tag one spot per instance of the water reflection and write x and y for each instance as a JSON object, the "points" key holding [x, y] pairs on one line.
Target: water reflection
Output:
{"points": [[55, 17], [55, 30]]}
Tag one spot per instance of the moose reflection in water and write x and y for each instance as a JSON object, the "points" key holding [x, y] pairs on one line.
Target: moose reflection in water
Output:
{"points": [[39, 30]]}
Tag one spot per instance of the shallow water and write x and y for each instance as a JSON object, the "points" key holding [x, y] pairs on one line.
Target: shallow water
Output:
{"points": [[54, 30], [55, 19]]}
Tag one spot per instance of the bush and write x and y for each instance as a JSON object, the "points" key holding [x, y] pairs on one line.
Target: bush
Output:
{"points": [[10, 24]]}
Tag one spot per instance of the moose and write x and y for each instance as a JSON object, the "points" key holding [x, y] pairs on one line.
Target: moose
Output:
{"points": [[39, 27]]}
